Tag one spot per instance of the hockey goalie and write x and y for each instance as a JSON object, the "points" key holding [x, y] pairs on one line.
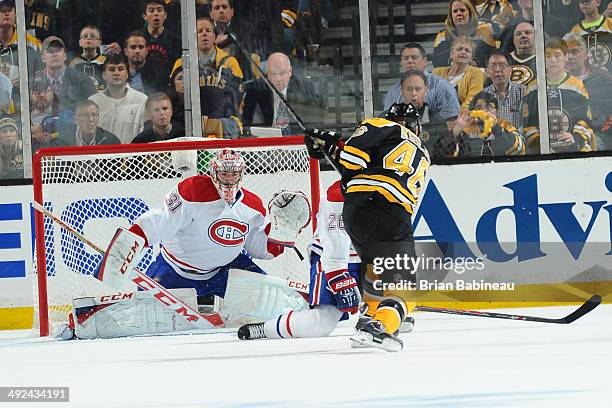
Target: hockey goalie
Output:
{"points": [[209, 229]]}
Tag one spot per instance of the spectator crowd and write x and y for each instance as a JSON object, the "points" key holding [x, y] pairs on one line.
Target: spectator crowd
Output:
{"points": [[481, 99], [116, 75]]}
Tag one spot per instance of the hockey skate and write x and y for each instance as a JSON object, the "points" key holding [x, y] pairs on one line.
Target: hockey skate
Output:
{"points": [[373, 334], [406, 327], [252, 331]]}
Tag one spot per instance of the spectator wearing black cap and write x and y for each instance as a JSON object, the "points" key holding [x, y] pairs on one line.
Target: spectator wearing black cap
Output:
{"points": [[69, 85], [11, 149]]}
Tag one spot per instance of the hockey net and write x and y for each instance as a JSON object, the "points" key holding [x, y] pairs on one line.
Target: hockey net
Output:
{"points": [[97, 189]]}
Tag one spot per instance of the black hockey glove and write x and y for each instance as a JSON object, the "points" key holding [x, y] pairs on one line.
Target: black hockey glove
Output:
{"points": [[323, 141], [314, 150]]}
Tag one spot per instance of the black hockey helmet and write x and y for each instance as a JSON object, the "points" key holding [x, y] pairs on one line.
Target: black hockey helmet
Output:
{"points": [[406, 115]]}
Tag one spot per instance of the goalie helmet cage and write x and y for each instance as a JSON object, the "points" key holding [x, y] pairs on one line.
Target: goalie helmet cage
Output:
{"points": [[96, 189]]}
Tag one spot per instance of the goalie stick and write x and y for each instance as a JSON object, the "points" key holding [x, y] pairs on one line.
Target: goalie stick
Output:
{"points": [[147, 284], [585, 308]]}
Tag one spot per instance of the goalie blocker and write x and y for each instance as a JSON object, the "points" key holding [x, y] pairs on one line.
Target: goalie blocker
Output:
{"points": [[123, 254]]}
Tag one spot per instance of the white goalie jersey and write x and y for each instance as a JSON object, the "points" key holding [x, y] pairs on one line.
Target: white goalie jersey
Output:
{"points": [[200, 232]]}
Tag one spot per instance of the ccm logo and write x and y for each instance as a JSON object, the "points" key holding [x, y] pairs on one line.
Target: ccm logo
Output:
{"points": [[116, 296], [228, 232], [129, 258], [298, 285]]}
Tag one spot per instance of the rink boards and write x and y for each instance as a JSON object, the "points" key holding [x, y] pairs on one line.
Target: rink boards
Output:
{"points": [[545, 226]]}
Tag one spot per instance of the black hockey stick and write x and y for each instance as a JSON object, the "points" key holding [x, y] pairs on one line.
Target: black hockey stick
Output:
{"points": [[585, 308], [293, 113]]}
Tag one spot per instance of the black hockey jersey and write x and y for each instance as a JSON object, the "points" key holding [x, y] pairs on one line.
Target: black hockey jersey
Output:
{"points": [[386, 162], [599, 42], [523, 70], [568, 111]]}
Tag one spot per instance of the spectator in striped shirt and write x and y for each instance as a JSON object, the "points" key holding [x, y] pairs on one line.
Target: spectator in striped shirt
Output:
{"points": [[509, 95]]}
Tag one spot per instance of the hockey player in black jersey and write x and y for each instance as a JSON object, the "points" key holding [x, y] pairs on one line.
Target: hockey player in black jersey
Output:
{"points": [[383, 167]]}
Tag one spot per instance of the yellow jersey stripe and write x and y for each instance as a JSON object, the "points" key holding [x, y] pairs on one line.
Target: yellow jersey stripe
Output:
{"points": [[354, 160], [350, 166], [386, 186], [389, 180]]}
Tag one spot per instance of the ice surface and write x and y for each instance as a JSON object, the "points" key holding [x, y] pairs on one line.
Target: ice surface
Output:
{"points": [[448, 361]]}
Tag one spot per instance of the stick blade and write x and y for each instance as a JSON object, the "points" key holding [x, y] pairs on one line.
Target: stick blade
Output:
{"points": [[587, 306]]}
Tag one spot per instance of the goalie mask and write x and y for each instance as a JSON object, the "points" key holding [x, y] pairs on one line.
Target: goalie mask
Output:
{"points": [[406, 115], [226, 171]]}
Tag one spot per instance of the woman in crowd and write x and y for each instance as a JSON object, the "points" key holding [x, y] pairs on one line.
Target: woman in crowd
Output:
{"points": [[177, 94], [467, 79], [462, 19]]}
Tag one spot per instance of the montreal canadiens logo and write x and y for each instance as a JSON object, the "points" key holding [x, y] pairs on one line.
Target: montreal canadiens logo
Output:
{"points": [[228, 232]]}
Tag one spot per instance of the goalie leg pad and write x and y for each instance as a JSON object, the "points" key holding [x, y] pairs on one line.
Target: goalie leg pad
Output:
{"points": [[136, 314], [253, 297], [319, 321]]}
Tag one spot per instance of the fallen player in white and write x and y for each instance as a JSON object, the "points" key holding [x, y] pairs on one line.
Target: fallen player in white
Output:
{"points": [[334, 283]]}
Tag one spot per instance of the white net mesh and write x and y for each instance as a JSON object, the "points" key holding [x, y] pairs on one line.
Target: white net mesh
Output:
{"points": [[96, 193]]}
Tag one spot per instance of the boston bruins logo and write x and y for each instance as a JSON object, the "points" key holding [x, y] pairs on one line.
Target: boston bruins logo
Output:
{"points": [[360, 131], [599, 55], [558, 122], [521, 74]]}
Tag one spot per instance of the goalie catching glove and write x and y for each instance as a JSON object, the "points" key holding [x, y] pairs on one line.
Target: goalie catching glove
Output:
{"points": [[290, 214], [319, 142], [345, 290]]}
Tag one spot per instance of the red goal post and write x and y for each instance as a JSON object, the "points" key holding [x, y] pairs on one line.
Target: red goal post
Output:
{"points": [[96, 189]]}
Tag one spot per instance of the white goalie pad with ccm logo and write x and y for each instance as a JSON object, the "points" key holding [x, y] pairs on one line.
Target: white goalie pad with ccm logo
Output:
{"points": [[252, 297], [128, 314]]}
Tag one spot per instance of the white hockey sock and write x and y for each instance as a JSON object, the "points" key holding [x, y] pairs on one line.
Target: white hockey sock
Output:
{"points": [[317, 322]]}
